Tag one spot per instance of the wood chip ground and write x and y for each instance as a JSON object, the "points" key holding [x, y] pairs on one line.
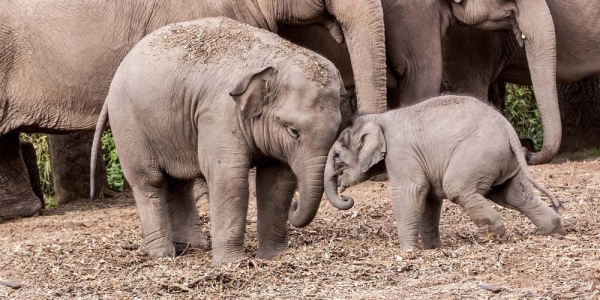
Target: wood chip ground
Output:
{"points": [[92, 251]]}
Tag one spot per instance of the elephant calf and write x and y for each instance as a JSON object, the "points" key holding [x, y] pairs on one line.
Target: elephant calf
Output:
{"points": [[449, 147], [210, 99]]}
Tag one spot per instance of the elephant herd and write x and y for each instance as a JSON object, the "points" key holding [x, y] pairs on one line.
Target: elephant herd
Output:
{"points": [[196, 89]]}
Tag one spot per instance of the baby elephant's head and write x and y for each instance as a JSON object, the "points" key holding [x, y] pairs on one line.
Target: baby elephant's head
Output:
{"points": [[354, 153]]}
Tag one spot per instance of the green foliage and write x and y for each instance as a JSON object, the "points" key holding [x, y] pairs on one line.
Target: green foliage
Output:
{"points": [[40, 144], [111, 160], [595, 152], [521, 110]]}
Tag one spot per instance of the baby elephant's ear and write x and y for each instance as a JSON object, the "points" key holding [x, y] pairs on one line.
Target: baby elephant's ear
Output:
{"points": [[371, 145], [249, 93]]}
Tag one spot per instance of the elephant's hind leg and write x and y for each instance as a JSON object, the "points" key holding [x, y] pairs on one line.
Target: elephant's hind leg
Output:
{"points": [[17, 199], [430, 223], [517, 193], [275, 186], [151, 194], [185, 220]]}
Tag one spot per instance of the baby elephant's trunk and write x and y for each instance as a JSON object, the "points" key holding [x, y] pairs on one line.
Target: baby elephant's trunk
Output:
{"points": [[330, 184]]}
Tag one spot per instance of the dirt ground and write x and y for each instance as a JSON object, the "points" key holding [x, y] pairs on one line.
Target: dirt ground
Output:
{"points": [[92, 250]]}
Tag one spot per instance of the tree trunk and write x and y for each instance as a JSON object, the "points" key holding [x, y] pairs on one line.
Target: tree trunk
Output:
{"points": [[580, 113], [70, 163]]}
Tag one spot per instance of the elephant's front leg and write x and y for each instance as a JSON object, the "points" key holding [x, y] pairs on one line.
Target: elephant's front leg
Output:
{"points": [[275, 186], [430, 223], [228, 186], [408, 199]]}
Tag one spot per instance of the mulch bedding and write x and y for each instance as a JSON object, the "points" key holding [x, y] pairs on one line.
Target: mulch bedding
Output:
{"points": [[92, 250]]}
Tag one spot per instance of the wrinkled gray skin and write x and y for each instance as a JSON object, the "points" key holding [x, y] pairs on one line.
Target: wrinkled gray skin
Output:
{"points": [[57, 59], [174, 121], [474, 59], [437, 150], [414, 31]]}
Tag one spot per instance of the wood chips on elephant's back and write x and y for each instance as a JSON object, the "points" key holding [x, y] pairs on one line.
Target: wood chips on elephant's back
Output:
{"points": [[234, 40]]}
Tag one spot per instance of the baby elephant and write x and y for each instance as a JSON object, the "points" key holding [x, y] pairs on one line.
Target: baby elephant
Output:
{"points": [[210, 99], [449, 147]]}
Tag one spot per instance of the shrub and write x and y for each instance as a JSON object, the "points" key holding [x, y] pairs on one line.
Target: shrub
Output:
{"points": [[111, 160], [521, 111]]}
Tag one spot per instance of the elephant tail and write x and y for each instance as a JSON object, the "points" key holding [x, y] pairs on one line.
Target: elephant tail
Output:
{"points": [[96, 144], [520, 151]]}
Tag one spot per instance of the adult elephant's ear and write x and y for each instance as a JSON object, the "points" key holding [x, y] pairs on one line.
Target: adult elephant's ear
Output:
{"points": [[370, 144], [250, 92]]}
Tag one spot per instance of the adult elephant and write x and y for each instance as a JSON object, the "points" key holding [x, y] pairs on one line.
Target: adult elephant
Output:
{"points": [[57, 59], [475, 59]]}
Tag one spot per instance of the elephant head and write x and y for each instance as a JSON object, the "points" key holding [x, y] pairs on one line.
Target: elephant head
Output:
{"points": [[352, 158], [533, 27], [360, 22], [294, 120]]}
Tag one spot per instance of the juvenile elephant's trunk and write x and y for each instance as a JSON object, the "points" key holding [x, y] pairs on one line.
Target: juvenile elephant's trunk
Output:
{"points": [[362, 24], [331, 179], [310, 188]]}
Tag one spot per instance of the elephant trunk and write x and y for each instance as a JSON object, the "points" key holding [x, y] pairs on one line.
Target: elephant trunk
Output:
{"points": [[310, 188], [540, 45], [330, 182], [362, 24]]}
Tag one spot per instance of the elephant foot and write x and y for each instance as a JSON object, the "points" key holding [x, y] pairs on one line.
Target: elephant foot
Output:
{"points": [[428, 245], [194, 238], [221, 257], [489, 232], [557, 228], [157, 245], [271, 253], [26, 204]]}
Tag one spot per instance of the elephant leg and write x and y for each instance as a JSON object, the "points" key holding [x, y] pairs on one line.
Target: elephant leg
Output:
{"points": [[228, 186], [30, 159], [17, 199], [485, 217], [201, 190], [184, 217], [430, 223], [70, 162], [275, 186], [408, 200], [517, 193], [151, 194]]}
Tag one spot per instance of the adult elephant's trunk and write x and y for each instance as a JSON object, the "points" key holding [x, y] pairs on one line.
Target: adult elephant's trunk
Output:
{"points": [[362, 24], [537, 27], [331, 179], [310, 188]]}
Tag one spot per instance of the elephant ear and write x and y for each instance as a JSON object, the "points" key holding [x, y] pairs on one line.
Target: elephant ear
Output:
{"points": [[250, 92], [343, 91], [371, 145]]}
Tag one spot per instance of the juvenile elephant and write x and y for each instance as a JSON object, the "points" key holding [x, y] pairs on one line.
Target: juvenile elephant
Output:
{"points": [[448, 147], [211, 98], [58, 57]]}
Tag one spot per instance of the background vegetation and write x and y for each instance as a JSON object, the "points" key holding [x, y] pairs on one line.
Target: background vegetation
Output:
{"points": [[520, 110]]}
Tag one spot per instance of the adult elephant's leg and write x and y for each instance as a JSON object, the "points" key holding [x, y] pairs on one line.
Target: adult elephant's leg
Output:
{"points": [[275, 186], [185, 220], [30, 159], [70, 162], [228, 186], [517, 193], [430, 223], [17, 199]]}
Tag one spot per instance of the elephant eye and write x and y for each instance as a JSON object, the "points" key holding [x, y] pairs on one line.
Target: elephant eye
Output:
{"points": [[336, 156], [293, 132]]}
